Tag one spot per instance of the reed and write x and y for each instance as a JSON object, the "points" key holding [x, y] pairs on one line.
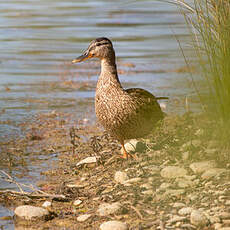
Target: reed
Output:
{"points": [[209, 24]]}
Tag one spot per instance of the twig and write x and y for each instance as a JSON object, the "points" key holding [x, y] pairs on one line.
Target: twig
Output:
{"points": [[7, 191], [11, 180], [137, 211]]}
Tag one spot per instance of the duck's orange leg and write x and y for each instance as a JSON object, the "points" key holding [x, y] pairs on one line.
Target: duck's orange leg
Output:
{"points": [[126, 155]]}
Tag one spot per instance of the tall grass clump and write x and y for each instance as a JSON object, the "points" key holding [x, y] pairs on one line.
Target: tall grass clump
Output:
{"points": [[209, 24]]}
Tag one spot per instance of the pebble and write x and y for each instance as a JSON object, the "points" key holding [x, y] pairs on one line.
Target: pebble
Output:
{"points": [[164, 186], [185, 211], [192, 197], [175, 219], [133, 180], [185, 156], [173, 172], [217, 226], [183, 183], [174, 192], [224, 215], [88, 160], [121, 177], [108, 209], [188, 226], [134, 146], [178, 205], [83, 218], [46, 204], [113, 225], [146, 186], [198, 218], [29, 212], [214, 172], [214, 219], [77, 202], [227, 202], [226, 222], [200, 167]]}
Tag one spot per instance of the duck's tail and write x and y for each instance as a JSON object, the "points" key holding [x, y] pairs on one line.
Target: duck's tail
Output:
{"points": [[162, 98]]}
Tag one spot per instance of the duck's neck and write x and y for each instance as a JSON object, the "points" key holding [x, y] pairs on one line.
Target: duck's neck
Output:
{"points": [[108, 77]]}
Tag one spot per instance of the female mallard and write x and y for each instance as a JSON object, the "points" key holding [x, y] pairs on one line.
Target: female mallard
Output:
{"points": [[124, 113]]}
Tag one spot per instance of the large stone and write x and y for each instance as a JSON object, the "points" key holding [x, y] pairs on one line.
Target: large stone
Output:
{"points": [[88, 160], [113, 225], [77, 202], [185, 211], [108, 209], [83, 217], [198, 218], [134, 146], [184, 183], [121, 177], [213, 172], [28, 212], [173, 172], [200, 167]]}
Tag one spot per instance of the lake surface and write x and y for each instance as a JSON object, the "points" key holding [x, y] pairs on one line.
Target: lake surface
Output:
{"points": [[38, 40]]}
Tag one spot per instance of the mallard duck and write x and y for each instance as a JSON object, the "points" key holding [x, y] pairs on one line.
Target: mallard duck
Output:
{"points": [[124, 113]]}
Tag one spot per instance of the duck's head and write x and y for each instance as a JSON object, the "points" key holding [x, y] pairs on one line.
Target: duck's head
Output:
{"points": [[101, 48]]}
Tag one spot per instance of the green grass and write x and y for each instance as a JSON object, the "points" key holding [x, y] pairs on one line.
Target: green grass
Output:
{"points": [[209, 24]]}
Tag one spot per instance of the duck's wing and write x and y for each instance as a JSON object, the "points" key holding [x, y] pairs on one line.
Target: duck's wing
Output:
{"points": [[145, 101]]}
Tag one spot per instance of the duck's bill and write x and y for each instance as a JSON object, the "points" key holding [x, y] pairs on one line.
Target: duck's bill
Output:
{"points": [[81, 58]]}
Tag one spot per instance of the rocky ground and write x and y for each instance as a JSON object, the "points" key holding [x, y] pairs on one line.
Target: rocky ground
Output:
{"points": [[179, 180]]}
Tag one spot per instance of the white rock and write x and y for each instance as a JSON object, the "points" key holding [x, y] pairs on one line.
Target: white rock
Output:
{"points": [[185, 155], [135, 146], [173, 172], [29, 212], [227, 202], [83, 218], [107, 209], [224, 215], [148, 192], [199, 167], [176, 219], [217, 226], [212, 173], [178, 205], [77, 202], [174, 192], [46, 204], [164, 186], [198, 218], [185, 211], [133, 180], [183, 183], [214, 219], [120, 177], [113, 225], [88, 160]]}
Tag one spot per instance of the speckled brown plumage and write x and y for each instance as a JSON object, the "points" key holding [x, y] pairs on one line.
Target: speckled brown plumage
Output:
{"points": [[124, 113]]}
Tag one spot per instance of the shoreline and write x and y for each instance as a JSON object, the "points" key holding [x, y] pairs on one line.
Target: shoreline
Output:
{"points": [[142, 194]]}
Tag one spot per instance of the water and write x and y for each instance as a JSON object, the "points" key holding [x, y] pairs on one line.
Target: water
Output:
{"points": [[38, 40]]}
